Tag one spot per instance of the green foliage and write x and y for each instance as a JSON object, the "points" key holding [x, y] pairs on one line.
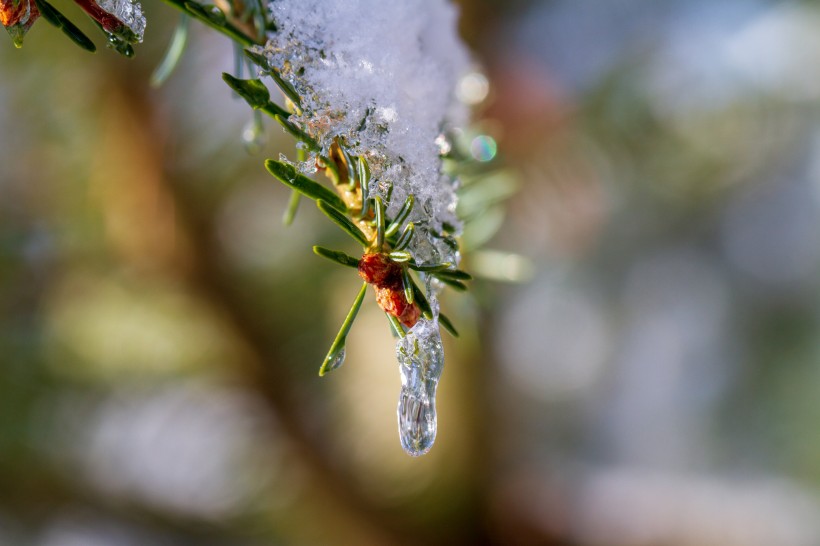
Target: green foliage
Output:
{"points": [[60, 21], [175, 50], [288, 175], [336, 256], [335, 356], [342, 221]]}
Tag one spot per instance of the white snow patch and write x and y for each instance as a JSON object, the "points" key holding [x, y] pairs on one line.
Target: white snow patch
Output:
{"points": [[382, 77]]}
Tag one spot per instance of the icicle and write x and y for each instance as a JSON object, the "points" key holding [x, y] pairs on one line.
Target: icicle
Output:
{"points": [[421, 360]]}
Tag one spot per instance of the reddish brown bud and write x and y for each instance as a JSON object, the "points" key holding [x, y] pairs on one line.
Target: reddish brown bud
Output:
{"points": [[385, 275], [380, 270], [395, 303]]}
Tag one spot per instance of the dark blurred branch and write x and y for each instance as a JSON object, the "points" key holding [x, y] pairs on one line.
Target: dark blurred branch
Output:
{"points": [[206, 272]]}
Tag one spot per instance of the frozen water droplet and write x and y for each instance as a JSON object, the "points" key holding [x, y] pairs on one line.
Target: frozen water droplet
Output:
{"points": [[417, 422], [217, 15], [119, 44], [335, 360], [421, 360]]}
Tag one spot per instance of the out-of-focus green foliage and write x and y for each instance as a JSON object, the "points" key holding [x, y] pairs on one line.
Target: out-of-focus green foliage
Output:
{"points": [[653, 383]]}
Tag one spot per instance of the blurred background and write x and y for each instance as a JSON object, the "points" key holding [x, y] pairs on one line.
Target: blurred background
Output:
{"points": [[653, 381]]}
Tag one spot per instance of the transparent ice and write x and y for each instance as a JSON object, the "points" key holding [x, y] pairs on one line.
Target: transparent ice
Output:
{"points": [[129, 12], [421, 360], [336, 360]]}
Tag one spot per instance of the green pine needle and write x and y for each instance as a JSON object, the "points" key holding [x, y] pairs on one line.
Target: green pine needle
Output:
{"points": [[454, 274], [259, 60], [406, 237], [342, 221], [407, 284], [175, 50], [60, 21], [286, 87], [336, 256], [452, 283], [445, 322], [333, 360], [421, 299], [296, 132], [253, 91], [256, 94], [400, 256], [379, 206], [404, 212], [289, 176], [430, 268], [395, 325], [215, 19]]}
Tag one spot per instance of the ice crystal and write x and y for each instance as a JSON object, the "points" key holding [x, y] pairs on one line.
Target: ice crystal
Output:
{"points": [[421, 360]]}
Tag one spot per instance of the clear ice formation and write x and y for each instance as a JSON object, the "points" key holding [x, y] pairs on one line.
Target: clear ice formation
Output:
{"points": [[128, 12], [421, 360]]}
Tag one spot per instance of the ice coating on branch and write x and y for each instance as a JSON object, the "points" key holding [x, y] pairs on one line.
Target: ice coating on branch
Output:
{"points": [[421, 360], [380, 75], [128, 12]]}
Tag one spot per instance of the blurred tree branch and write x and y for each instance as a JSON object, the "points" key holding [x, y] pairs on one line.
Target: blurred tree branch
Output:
{"points": [[204, 269]]}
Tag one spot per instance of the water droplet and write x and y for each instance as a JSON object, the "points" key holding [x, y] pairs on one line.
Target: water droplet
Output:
{"points": [[120, 45], [483, 148], [334, 361], [421, 360], [216, 14]]}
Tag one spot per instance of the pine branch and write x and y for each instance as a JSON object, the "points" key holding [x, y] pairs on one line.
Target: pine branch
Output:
{"points": [[357, 197]]}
